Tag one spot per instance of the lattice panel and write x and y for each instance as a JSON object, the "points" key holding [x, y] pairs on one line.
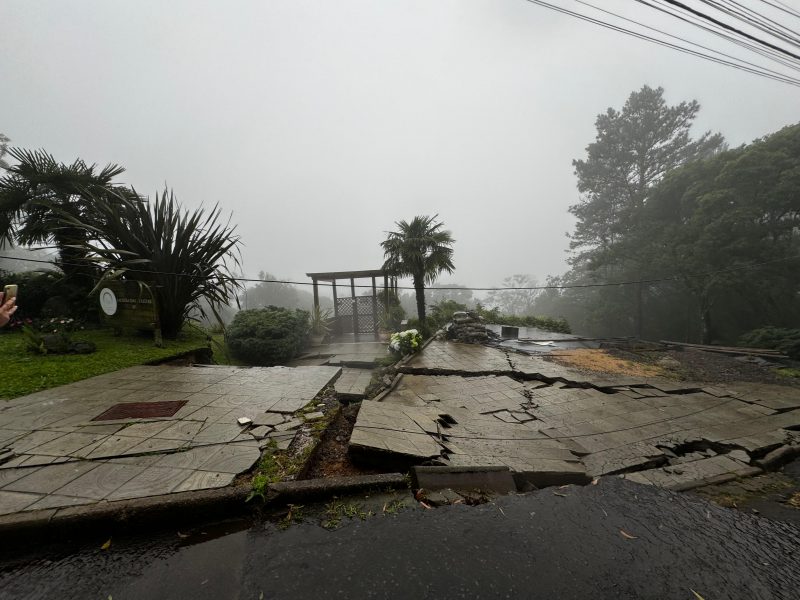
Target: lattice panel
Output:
{"points": [[362, 306]]}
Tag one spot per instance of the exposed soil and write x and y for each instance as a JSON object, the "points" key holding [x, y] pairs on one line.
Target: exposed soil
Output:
{"points": [[604, 361], [331, 458], [688, 364]]}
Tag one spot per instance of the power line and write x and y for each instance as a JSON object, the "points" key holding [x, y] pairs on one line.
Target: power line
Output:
{"points": [[755, 19], [765, 52], [683, 39], [784, 7], [731, 28], [474, 289], [755, 71]]}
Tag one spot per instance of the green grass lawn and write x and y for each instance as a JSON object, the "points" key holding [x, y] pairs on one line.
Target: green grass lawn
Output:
{"points": [[25, 373]]}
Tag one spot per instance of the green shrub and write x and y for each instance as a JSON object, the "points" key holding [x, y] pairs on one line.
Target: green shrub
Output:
{"points": [[48, 294], [267, 336], [776, 338], [442, 313], [495, 317]]}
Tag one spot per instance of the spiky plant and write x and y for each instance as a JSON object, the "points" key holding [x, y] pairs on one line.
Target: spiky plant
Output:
{"points": [[184, 256], [419, 249]]}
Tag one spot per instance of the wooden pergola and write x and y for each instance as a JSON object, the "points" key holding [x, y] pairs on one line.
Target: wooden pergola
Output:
{"points": [[360, 321]]}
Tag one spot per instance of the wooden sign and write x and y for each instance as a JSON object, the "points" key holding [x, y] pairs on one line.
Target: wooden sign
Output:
{"points": [[129, 305]]}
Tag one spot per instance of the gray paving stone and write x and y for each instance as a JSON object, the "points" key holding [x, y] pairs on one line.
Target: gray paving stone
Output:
{"points": [[101, 481], [353, 383], [260, 432], [203, 480], [232, 459], [288, 425], [188, 459], [49, 478], [270, 419], [11, 502], [57, 501], [153, 481]]}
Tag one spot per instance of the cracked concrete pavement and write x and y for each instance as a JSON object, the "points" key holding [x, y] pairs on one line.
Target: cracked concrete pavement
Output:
{"points": [[147, 431], [471, 405]]}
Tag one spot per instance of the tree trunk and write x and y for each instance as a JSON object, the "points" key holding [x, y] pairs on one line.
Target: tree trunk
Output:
{"points": [[639, 311], [419, 289], [705, 319]]}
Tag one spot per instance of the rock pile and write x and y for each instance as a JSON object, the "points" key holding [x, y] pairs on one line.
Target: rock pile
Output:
{"points": [[468, 327]]}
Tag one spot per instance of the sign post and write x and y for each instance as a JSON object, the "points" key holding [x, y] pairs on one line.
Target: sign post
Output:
{"points": [[130, 304]]}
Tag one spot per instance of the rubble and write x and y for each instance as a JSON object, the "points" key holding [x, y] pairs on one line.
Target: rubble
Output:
{"points": [[469, 328]]}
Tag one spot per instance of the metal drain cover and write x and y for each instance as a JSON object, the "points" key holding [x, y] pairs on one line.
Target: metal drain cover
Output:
{"points": [[140, 410]]}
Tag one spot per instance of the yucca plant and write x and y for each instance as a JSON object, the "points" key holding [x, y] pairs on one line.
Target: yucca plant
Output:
{"points": [[185, 256]]}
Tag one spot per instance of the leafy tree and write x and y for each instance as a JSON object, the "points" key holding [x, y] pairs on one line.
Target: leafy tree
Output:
{"points": [[728, 228], [3, 150], [454, 292], [633, 150], [517, 302], [184, 256], [35, 194], [419, 249]]}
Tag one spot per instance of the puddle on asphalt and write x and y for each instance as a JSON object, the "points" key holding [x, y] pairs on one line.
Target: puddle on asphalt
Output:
{"points": [[204, 561]]}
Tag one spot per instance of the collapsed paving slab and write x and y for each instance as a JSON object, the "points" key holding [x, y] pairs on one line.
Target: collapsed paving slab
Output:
{"points": [[96, 439], [352, 383], [471, 421], [551, 427]]}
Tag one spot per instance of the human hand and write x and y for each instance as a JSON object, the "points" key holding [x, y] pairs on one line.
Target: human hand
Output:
{"points": [[7, 308]]}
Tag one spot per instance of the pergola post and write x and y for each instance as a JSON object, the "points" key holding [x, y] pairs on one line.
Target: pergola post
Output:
{"points": [[371, 274], [336, 327], [375, 309], [355, 307]]}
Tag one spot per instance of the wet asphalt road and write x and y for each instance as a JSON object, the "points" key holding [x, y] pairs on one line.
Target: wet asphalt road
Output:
{"points": [[612, 540]]}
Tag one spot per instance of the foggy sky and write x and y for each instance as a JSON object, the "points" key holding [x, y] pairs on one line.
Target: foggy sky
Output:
{"points": [[319, 124]]}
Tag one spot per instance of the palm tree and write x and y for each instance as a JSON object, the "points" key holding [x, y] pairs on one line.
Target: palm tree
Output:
{"points": [[34, 195], [421, 250]]}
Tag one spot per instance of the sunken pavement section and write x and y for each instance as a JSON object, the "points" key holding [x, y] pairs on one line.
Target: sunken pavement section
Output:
{"points": [[147, 431], [462, 405]]}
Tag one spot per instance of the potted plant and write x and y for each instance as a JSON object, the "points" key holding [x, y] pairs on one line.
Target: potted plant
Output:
{"points": [[320, 325]]}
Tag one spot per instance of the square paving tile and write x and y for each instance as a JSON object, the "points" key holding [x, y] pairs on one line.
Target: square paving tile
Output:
{"points": [[154, 481], [11, 502], [51, 477], [101, 481], [201, 480]]}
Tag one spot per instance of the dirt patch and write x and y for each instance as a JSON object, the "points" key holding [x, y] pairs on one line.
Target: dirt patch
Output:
{"points": [[331, 458], [696, 365], [603, 361]]}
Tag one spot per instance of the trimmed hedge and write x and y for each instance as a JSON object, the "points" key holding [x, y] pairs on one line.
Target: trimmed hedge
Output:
{"points": [[268, 336]]}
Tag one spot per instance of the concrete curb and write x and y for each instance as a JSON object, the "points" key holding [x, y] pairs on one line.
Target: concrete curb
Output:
{"points": [[179, 510], [314, 489]]}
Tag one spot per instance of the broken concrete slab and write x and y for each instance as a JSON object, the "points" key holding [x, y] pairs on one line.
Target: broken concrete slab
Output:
{"points": [[352, 383]]}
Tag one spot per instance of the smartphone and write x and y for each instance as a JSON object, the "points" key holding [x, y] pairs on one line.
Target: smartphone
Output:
{"points": [[9, 292]]}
